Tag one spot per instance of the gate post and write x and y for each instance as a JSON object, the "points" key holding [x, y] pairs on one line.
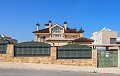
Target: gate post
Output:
{"points": [[10, 52], [94, 57], [119, 57], [53, 54]]}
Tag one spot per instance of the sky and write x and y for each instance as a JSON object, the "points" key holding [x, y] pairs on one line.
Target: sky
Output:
{"points": [[18, 18]]}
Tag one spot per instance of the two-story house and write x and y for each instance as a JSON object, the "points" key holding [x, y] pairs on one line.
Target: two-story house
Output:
{"points": [[58, 35]]}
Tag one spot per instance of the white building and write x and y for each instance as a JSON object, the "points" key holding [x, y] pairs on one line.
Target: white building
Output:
{"points": [[104, 36], [118, 40]]}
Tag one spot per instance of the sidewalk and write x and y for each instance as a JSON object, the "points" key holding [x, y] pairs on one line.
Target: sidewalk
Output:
{"points": [[58, 67]]}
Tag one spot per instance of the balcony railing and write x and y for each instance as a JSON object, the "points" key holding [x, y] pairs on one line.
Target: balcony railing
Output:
{"points": [[59, 38]]}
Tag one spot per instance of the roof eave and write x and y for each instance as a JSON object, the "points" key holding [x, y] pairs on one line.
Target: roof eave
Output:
{"points": [[42, 33]]}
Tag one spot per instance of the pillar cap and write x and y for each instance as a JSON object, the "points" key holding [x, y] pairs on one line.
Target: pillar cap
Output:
{"points": [[81, 30], [38, 24], [65, 22]]}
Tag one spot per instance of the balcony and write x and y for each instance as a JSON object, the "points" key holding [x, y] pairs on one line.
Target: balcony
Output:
{"points": [[59, 38]]}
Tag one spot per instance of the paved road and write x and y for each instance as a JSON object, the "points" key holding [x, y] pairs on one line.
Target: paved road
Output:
{"points": [[26, 72]]}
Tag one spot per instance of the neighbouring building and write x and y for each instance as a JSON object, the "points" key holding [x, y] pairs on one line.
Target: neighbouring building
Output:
{"points": [[104, 36], [118, 40], [58, 35], [7, 38]]}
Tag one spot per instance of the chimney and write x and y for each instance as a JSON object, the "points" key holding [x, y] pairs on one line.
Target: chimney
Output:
{"points": [[50, 23], [81, 31], [65, 25], [38, 25]]}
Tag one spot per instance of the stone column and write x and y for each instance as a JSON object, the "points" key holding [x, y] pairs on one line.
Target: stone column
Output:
{"points": [[53, 55], [119, 57], [10, 52], [94, 57]]}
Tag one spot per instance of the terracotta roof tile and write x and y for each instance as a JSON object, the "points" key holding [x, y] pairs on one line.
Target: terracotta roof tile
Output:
{"points": [[83, 39], [69, 30], [42, 31]]}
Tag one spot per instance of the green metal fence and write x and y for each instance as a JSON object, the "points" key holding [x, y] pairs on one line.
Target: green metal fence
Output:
{"points": [[3, 46], [74, 51], [32, 49], [107, 58]]}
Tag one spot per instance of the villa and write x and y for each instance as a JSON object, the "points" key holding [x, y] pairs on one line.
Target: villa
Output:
{"points": [[58, 35]]}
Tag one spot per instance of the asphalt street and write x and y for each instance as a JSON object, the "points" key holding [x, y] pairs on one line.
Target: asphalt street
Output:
{"points": [[42, 72]]}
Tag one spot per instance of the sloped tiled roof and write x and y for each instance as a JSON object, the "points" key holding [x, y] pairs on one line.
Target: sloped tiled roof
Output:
{"points": [[42, 31], [83, 39], [69, 30]]}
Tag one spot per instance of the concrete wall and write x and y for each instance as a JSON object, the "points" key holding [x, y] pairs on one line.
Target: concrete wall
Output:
{"points": [[103, 37], [9, 57], [106, 35], [97, 37]]}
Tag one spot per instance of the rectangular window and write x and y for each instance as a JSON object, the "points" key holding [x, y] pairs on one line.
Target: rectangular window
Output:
{"points": [[56, 35], [42, 39], [113, 41]]}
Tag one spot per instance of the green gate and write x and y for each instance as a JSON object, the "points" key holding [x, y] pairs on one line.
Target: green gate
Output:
{"points": [[107, 58]]}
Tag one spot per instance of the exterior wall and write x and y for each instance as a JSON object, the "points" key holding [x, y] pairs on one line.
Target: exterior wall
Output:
{"points": [[71, 37], [51, 38], [57, 43], [106, 35], [103, 37], [81, 35], [38, 37], [9, 57], [97, 37]]}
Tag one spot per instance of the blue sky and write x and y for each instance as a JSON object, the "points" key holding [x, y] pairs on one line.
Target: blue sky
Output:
{"points": [[18, 18]]}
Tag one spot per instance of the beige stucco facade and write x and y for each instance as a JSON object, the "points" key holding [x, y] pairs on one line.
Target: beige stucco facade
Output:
{"points": [[107, 35]]}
